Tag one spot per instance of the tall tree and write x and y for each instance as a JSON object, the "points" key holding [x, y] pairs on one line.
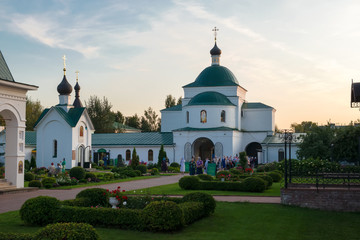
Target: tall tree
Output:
{"points": [[33, 112], [100, 114], [170, 101], [304, 126], [133, 121], [119, 117], [150, 121], [134, 159], [162, 155], [345, 146], [179, 101]]}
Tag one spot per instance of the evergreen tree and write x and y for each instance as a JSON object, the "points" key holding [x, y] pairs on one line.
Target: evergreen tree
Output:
{"points": [[134, 159], [243, 160], [32, 163], [162, 155]]}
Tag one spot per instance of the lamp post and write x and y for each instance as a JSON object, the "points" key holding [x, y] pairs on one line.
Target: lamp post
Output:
{"points": [[287, 136]]}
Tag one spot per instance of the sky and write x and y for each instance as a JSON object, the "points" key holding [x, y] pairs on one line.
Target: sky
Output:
{"points": [[297, 56]]}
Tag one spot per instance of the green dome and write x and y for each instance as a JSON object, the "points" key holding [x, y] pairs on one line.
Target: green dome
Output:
{"points": [[210, 98], [215, 76]]}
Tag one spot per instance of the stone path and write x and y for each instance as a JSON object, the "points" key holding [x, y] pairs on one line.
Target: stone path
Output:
{"points": [[14, 201]]}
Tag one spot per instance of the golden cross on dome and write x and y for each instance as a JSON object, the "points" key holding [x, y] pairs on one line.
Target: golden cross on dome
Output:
{"points": [[77, 75], [215, 30], [64, 58]]}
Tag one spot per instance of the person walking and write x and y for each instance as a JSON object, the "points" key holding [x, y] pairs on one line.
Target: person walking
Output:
{"points": [[192, 166], [199, 166]]}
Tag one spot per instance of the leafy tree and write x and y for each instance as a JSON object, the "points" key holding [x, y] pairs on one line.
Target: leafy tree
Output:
{"points": [[317, 143], [119, 117], [150, 121], [100, 114], [33, 112], [170, 101], [304, 126], [345, 146], [133, 121], [162, 155], [179, 101], [134, 159]]}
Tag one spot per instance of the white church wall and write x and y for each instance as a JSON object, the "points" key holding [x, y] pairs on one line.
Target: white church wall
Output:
{"points": [[258, 120], [271, 152], [213, 116], [171, 120], [54, 127], [249, 137], [228, 91]]}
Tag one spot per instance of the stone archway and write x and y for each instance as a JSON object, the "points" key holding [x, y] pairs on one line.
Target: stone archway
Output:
{"points": [[203, 147], [252, 149]]}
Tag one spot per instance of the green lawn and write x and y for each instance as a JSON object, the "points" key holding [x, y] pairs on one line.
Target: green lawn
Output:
{"points": [[174, 189], [239, 221]]}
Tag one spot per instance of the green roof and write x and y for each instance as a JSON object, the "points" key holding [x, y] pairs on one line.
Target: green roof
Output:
{"points": [[147, 138], [5, 73], [174, 108], [30, 138], [210, 98], [206, 129], [72, 117], [254, 105], [214, 76], [276, 139]]}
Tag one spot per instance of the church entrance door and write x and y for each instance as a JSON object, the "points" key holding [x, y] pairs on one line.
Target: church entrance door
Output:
{"points": [[203, 148], [254, 149]]}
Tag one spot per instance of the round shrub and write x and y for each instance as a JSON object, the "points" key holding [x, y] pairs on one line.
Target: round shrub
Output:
{"points": [[96, 196], [155, 171], [205, 177], [77, 172], [175, 164], [235, 171], [29, 176], [163, 216], [137, 172], [90, 175], [35, 183], [59, 231], [189, 182], [142, 168], [108, 176], [206, 199], [275, 176], [224, 172], [41, 210], [48, 182], [267, 178], [254, 184]]}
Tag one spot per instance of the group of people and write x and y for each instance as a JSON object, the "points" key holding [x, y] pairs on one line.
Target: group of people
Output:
{"points": [[60, 167]]}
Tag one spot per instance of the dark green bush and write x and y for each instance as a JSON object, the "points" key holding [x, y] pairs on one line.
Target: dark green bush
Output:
{"points": [[48, 182], [206, 199], [125, 171], [205, 177], [16, 236], [90, 175], [192, 211], [254, 184], [142, 168], [260, 168], [41, 210], [173, 169], [29, 176], [77, 202], [96, 196], [77, 172], [162, 216], [108, 176], [27, 165], [275, 176], [35, 183], [222, 186], [189, 182], [155, 171], [175, 165], [138, 173], [267, 178], [59, 231], [235, 171]]}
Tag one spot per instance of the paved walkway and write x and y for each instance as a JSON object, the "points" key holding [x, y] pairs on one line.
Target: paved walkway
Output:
{"points": [[14, 201]]}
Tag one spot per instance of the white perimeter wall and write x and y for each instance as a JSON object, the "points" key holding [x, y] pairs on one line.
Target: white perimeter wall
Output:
{"points": [[258, 120]]}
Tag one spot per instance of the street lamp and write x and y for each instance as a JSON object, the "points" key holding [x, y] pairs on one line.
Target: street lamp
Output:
{"points": [[287, 137]]}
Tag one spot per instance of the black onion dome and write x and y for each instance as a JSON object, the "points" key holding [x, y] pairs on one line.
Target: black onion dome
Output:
{"points": [[64, 88], [215, 50], [77, 86]]}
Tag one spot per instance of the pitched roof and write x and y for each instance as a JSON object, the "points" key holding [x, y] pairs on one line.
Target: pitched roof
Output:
{"points": [[254, 105], [206, 129], [30, 138], [210, 98], [148, 138], [5, 73], [277, 139], [72, 117], [174, 108]]}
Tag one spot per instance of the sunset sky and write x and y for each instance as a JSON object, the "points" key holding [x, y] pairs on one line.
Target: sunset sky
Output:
{"points": [[296, 56]]}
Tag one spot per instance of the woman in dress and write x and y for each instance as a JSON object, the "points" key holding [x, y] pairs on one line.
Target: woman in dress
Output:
{"points": [[192, 166], [182, 165], [199, 166]]}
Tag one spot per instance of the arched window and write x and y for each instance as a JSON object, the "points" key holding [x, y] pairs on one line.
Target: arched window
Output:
{"points": [[128, 155], [81, 131], [281, 155], [150, 155], [223, 116], [203, 116], [55, 149], [187, 117]]}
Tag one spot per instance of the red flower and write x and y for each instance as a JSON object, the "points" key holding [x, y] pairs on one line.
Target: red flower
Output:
{"points": [[118, 187], [124, 197], [123, 190], [104, 194]]}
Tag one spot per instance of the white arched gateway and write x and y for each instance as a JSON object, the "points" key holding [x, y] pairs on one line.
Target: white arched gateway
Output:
{"points": [[12, 110]]}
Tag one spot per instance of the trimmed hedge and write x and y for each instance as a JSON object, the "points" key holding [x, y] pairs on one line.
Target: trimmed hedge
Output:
{"points": [[78, 202], [267, 178], [59, 231], [35, 183], [142, 168], [189, 182], [204, 198], [205, 177], [192, 211], [175, 165], [90, 175], [96, 197], [163, 216], [29, 176], [275, 176], [48, 182], [41, 210], [16, 236], [254, 184], [77, 172]]}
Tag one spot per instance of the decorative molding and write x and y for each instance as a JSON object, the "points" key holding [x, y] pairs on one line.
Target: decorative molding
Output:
{"points": [[8, 96]]}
